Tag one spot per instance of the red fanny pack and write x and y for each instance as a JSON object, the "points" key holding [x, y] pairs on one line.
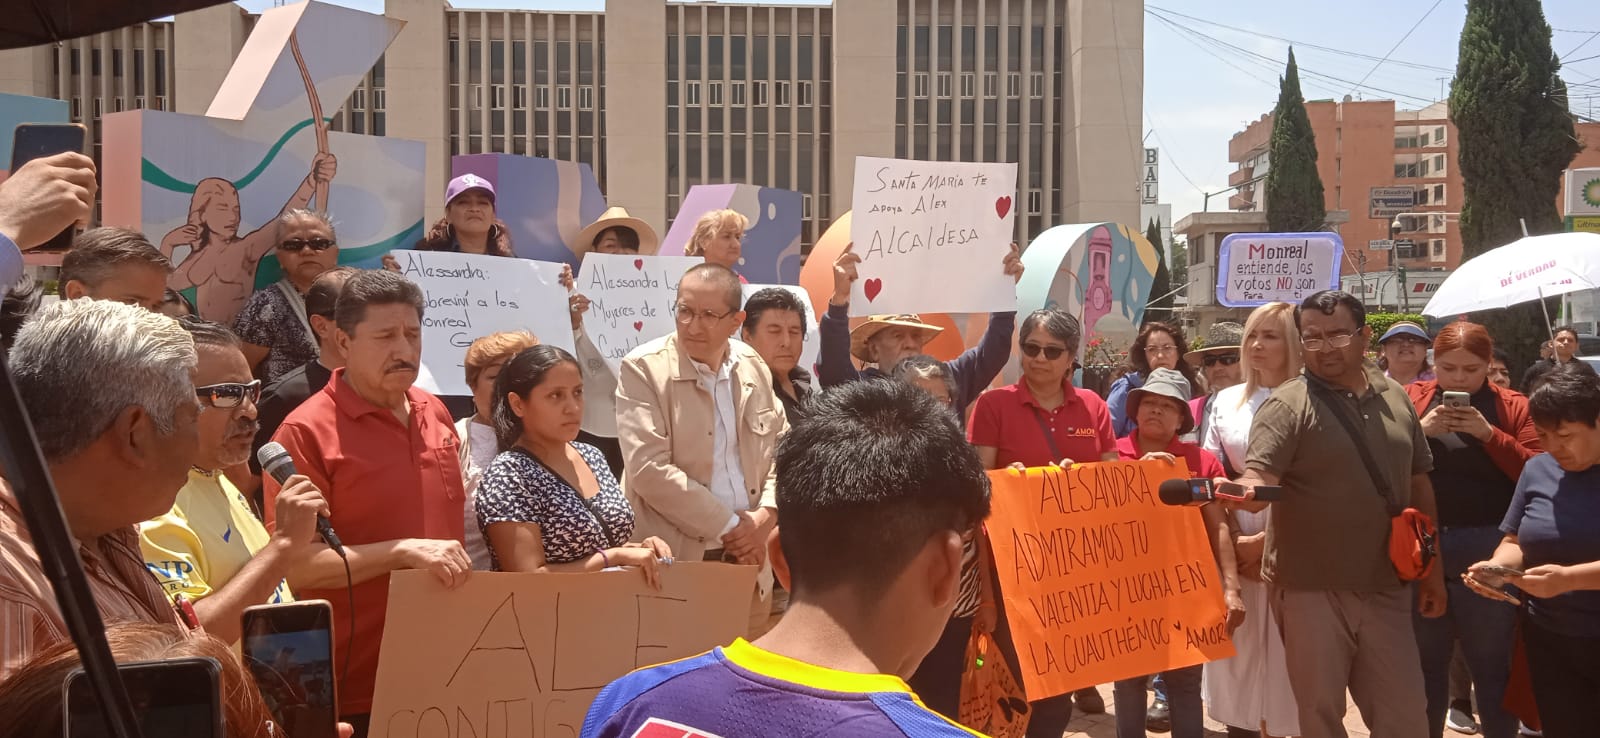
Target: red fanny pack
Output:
{"points": [[1413, 544]]}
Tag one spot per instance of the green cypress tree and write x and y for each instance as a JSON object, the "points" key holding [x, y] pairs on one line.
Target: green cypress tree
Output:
{"points": [[1294, 189], [1509, 106], [1160, 305]]}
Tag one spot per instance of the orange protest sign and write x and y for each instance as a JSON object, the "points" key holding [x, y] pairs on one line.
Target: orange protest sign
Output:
{"points": [[1100, 580]]}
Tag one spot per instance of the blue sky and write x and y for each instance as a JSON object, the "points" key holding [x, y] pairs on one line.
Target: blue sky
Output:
{"points": [[1199, 91]]}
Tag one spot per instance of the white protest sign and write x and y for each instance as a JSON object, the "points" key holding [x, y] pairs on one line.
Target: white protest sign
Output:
{"points": [[1258, 268], [932, 236], [630, 300], [469, 296], [812, 345]]}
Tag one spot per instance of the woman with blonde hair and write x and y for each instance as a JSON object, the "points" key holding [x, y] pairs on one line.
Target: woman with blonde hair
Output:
{"points": [[719, 237], [1250, 692]]}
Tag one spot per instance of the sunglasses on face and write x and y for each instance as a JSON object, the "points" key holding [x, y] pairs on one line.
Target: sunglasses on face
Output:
{"points": [[229, 395], [301, 244], [1050, 352], [1225, 360]]}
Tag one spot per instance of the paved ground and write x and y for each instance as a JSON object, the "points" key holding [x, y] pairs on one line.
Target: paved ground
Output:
{"points": [[1104, 726]]}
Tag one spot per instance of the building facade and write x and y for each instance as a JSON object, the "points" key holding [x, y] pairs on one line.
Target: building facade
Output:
{"points": [[659, 96]]}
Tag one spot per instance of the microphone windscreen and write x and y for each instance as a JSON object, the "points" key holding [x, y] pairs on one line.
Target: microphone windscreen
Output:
{"points": [[275, 461], [1175, 492]]}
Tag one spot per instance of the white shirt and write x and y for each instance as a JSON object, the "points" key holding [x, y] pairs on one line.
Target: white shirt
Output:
{"points": [[727, 476], [480, 445]]}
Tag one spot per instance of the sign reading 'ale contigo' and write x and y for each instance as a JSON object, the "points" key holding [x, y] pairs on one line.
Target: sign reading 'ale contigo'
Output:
{"points": [[1100, 580]]}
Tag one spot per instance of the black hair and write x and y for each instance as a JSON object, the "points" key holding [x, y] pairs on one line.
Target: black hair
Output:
{"points": [[322, 298], [1060, 324], [772, 298], [1560, 329], [173, 297], [1569, 393], [1141, 360], [1501, 356], [1327, 302], [875, 469], [1541, 372], [20, 303], [627, 238], [207, 333], [373, 287], [720, 277], [99, 252], [520, 376]]}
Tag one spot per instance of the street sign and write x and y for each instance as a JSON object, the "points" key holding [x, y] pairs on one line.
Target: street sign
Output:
{"points": [[1380, 244], [1387, 202]]}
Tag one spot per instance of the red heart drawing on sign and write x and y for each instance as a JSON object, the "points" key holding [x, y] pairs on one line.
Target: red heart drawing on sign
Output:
{"points": [[872, 287], [638, 325], [1002, 206], [638, 264]]}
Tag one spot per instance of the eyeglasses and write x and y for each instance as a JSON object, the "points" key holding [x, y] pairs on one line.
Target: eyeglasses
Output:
{"points": [[1159, 350], [1050, 352], [1334, 340], [301, 244], [229, 395], [687, 315], [1225, 360]]}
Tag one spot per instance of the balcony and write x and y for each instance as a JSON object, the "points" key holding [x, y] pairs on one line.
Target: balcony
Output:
{"points": [[1241, 202], [1241, 176]]}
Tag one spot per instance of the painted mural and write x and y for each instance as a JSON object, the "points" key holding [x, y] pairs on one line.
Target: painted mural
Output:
{"points": [[1100, 272], [771, 252], [545, 203], [208, 188]]}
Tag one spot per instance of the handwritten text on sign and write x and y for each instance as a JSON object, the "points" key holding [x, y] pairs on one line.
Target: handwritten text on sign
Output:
{"points": [[469, 296], [1100, 580], [1258, 268], [631, 300], [921, 224], [525, 654]]}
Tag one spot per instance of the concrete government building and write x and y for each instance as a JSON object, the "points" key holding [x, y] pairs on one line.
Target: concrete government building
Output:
{"points": [[659, 96]]}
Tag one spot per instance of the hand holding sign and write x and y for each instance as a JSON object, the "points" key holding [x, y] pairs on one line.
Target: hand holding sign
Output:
{"points": [[919, 223]]}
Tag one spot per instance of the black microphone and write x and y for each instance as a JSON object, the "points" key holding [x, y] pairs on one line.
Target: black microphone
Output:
{"points": [[275, 460], [1179, 492]]}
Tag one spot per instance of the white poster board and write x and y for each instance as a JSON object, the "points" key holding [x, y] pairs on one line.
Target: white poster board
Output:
{"points": [[1258, 268], [469, 296], [932, 236], [812, 346], [631, 300]]}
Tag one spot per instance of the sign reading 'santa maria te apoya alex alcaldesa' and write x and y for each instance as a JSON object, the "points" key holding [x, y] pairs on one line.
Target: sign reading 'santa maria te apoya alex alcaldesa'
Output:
{"points": [[1258, 268]]}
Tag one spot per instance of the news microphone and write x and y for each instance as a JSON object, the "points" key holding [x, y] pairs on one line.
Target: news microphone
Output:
{"points": [[1179, 492], [275, 460]]}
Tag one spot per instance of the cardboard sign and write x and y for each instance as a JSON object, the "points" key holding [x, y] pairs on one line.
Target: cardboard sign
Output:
{"points": [[469, 296], [631, 300], [921, 224], [525, 654], [811, 348], [1100, 580], [1258, 268]]}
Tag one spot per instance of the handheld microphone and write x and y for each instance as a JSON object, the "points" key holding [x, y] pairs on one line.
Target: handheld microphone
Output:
{"points": [[1179, 492], [275, 460]]}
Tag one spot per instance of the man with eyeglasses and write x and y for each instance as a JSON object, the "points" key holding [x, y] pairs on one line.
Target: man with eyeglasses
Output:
{"points": [[274, 324], [210, 547], [1346, 616], [699, 423]]}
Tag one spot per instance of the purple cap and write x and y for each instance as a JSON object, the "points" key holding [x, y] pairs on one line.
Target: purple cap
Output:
{"points": [[467, 182]]}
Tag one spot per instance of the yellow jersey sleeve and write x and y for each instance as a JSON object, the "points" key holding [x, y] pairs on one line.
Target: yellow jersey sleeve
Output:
{"points": [[172, 552]]}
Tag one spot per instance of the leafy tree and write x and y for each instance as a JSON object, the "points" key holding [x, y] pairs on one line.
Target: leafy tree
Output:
{"points": [[1178, 272], [1294, 189], [1160, 300]]}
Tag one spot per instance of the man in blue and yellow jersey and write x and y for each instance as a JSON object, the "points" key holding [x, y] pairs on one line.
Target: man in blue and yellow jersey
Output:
{"points": [[877, 489]]}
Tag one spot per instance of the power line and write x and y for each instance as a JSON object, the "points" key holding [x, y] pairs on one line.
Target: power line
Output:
{"points": [[1170, 153], [1586, 41], [1396, 46], [1342, 52]]}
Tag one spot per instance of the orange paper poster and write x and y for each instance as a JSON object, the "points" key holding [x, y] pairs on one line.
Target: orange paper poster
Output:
{"points": [[1100, 580], [524, 654]]}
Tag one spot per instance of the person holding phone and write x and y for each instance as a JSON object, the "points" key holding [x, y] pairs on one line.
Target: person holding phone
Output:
{"points": [[1551, 552], [1481, 436], [548, 503]]}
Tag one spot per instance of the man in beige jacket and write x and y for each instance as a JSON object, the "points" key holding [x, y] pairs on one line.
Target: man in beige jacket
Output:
{"points": [[699, 423]]}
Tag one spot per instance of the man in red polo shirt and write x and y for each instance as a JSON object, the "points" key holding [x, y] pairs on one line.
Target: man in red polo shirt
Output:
{"points": [[384, 455]]}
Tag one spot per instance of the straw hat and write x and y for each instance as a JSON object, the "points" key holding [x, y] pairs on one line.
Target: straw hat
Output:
{"points": [[649, 242], [1166, 383], [863, 333], [1220, 338]]}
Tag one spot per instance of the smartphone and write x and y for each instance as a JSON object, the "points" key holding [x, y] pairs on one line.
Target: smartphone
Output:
{"points": [[171, 697], [1457, 399], [39, 140], [289, 650]]}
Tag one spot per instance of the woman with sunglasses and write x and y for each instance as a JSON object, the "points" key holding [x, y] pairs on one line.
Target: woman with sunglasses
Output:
{"points": [[1042, 420], [1158, 346], [274, 326]]}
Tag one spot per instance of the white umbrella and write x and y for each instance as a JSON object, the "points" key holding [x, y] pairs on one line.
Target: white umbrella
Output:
{"points": [[1522, 271]]}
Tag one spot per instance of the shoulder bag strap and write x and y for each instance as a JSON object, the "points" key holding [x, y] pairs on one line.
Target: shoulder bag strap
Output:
{"points": [[297, 305], [1049, 435], [1373, 470], [594, 511]]}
